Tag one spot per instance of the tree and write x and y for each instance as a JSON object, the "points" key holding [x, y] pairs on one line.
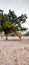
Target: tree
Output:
{"points": [[8, 27], [11, 23], [27, 33], [21, 20], [5, 17], [1, 17], [17, 20], [0, 28], [23, 29], [12, 17]]}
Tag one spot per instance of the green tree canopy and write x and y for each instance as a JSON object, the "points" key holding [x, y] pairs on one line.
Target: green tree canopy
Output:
{"points": [[8, 27]]}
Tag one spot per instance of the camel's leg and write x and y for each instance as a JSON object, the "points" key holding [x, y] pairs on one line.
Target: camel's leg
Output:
{"points": [[20, 37]]}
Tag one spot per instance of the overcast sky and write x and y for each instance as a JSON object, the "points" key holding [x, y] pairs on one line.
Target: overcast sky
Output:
{"points": [[19, 6]]}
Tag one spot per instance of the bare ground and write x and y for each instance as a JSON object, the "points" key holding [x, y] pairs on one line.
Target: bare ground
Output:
{"points": [[14, 52]]}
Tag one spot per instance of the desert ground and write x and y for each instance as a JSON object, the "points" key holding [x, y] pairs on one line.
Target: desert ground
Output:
{"points": [[14, 52]]}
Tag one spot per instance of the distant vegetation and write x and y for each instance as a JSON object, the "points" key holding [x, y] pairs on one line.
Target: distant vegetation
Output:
{"points": [[27, 34], [10, 23]]}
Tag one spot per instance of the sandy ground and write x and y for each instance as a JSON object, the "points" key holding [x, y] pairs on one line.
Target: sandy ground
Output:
{"points": [[14, 52]]}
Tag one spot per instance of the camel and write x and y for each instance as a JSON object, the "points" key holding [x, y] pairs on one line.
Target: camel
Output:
{"points": [[19, 35]]}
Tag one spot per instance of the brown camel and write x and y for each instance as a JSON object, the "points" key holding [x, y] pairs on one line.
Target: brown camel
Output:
{"points": [[19, 35]]}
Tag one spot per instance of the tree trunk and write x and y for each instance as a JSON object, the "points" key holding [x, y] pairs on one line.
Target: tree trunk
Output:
{"points": [[6, 36]]}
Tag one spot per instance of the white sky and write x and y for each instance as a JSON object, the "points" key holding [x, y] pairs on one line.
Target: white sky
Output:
{"points": [[19, 7]]}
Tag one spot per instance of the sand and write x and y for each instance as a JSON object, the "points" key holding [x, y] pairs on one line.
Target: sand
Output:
{"points": [[14, 52]]}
